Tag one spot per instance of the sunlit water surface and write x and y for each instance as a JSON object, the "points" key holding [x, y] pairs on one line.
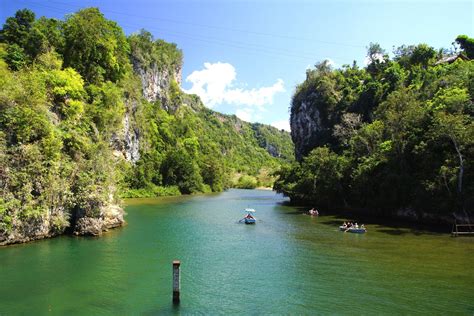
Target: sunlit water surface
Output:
{"points": [[288, 263]]}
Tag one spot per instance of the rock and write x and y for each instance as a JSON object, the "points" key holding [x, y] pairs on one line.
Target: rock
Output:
{"points": [[111, 216], [38, 227], [131, 140], [89, 226], [156, 82], [306, 128], [126, 142]]}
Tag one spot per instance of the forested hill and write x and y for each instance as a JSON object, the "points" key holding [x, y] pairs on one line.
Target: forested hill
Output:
{"points": [[394, 138], [88, 115]]}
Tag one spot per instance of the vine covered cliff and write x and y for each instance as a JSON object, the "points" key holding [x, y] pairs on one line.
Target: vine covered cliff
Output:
{"points": [[88, 115], [393, 138]]}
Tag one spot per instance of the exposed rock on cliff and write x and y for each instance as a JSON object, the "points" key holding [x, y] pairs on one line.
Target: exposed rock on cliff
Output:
{"points": [[34, 228], [111, 216], [306, 128], [314, 110], [156, 81]]}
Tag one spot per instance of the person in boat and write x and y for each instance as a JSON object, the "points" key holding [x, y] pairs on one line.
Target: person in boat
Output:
{"points": [[249, 216], [356, 225], [313, 211], [362, 226]]}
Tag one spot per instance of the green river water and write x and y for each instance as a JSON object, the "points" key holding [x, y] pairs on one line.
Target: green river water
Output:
{"points": [[288, 263]]}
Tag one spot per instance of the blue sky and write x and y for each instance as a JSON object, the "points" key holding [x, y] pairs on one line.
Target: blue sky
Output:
{"points": [[246, 57]]}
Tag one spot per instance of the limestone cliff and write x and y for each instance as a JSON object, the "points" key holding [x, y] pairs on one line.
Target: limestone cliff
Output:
{"points": [[156, 80], [306, 127], [126, 141]]}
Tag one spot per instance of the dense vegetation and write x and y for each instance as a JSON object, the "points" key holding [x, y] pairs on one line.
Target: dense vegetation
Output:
{"points": [[72, 97], [395, 135]]}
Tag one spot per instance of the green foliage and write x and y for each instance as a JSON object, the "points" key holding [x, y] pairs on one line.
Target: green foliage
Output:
{"points": [[16, 57], [16, 29], [147, 52], [70, 105], [277, 143], [247, 182], [28, 38], [467, 44], [95, 47], [152, 191], [403, 139]]}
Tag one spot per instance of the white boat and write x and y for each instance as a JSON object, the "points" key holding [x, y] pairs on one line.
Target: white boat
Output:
{"points": [[249, 218], [353, 229]]}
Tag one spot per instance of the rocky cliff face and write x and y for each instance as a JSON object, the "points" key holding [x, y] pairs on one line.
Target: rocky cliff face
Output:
{"points": [[110, 216], [306, 128], [156, 81], [52, 224], [35, 228], [156, 86], [126, 142]]}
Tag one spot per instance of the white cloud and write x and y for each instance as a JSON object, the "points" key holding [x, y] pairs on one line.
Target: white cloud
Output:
{"points": [[283, 124], [215, 85]]}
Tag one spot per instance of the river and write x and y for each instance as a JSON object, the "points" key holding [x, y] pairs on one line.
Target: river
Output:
{"points": [[288, 263]]}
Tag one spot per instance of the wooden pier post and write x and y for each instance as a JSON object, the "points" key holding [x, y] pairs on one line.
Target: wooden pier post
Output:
{"points": [[176, 281]]}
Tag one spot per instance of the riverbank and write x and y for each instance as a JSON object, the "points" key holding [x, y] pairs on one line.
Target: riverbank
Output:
{"points": [[42, 227]]}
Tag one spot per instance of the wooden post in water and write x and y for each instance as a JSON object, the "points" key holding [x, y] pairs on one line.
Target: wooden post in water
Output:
{"points": [[176, 281]]}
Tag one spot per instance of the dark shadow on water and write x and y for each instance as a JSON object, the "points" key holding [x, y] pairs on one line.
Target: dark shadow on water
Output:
{"points": [[394, 232], [294, 213], [388, 226], [295, 209], [173, 309], [333, 223]]}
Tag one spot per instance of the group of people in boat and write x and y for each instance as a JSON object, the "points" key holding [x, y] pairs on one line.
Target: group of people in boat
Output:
{"points": [[249, 216], [352, 225], [313, 211]]}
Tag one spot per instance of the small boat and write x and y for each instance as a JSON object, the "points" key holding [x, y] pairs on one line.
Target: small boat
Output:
{"points": [[358, 230], [249, 218], [353, 229]]}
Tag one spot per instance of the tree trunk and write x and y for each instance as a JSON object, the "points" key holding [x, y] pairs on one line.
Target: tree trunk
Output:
{"points": [[461, 165]]}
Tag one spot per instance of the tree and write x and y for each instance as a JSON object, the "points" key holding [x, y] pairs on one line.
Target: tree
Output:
{"points": [[376, 59], [466, 43], [422, 54], [323, 171], [95, 47], [179, 169], [459, 130], [16, 57], [17, 28]]}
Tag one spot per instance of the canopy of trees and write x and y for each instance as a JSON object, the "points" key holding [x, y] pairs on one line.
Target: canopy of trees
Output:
{"points": [[396, 134], [68, 95]]}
